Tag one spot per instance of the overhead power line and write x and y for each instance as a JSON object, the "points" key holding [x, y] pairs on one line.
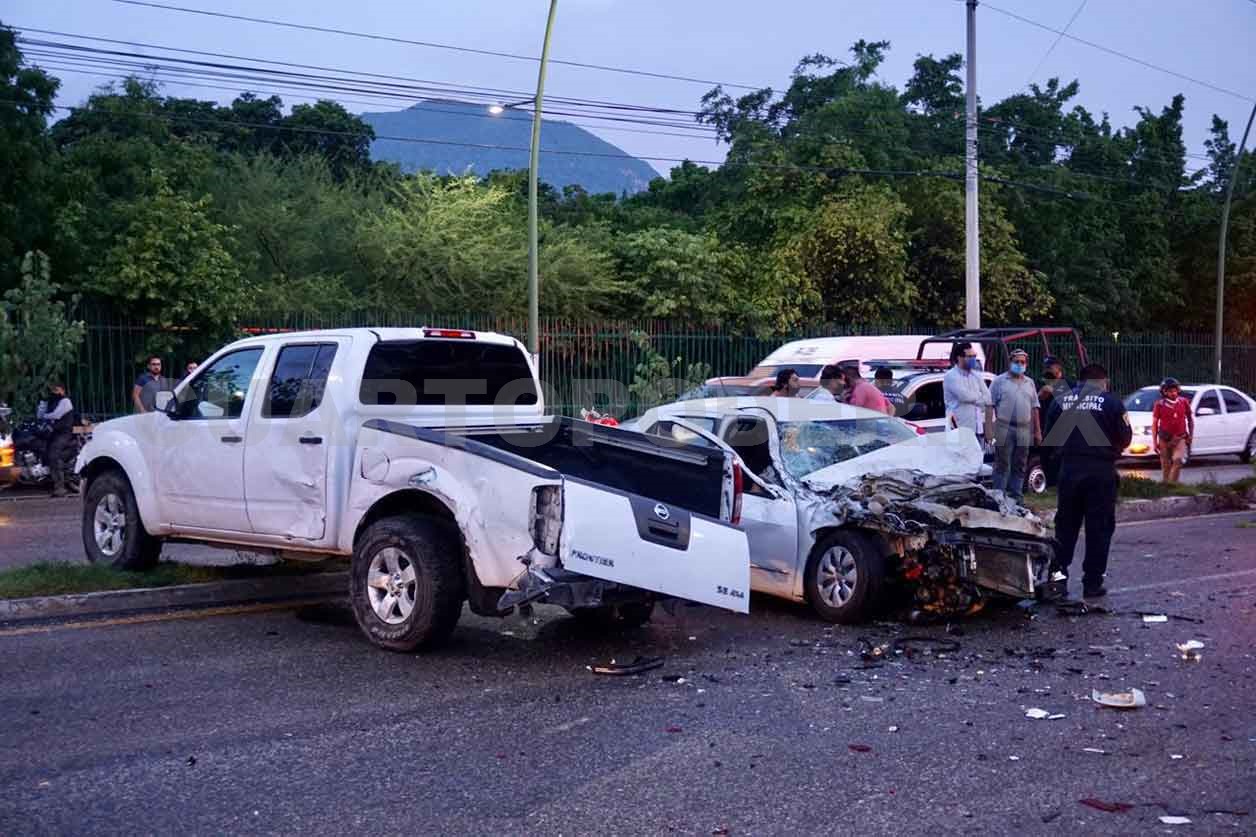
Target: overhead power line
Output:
{"points": [[432, 44], [1109, 50], [1056, 42], [840, 171]]}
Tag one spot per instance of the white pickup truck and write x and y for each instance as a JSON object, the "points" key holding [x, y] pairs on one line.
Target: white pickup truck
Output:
{"points": [[425, 455]]}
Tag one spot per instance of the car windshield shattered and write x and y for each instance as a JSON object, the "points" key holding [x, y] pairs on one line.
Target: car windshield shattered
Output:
{"points": [[808, 446]]}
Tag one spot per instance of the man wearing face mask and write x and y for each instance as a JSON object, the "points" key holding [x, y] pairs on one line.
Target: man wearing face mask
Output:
{"points": [[1017, 426], [1090, 429]]}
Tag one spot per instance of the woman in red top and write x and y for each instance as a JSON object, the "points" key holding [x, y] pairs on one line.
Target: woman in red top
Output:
{"points": [[1172, 428]]}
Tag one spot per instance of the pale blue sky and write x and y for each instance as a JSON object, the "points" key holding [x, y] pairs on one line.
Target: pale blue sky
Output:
{"points": [[731, 40]]}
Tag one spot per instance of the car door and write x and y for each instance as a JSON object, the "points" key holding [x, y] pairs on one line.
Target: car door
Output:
{"points": [[1238, 420], [769, 516], [200, 455], [1210, 428], [289, 442]]}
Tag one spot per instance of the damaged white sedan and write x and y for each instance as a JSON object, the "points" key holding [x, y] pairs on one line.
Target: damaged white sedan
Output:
{"points": [[842, 504]]}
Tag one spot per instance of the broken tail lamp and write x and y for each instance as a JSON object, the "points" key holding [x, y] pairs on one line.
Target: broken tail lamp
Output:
{"points": [[449, 333], [547, 518], [739, 484]]}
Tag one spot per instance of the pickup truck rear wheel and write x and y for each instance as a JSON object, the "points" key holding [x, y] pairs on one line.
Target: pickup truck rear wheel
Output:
{"points": [[845, 575], [113, 533], [407, 585]]}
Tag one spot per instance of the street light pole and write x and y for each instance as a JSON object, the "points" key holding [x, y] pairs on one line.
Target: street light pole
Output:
{"points": [[1225, 229], [534, 295], [972, 236]]}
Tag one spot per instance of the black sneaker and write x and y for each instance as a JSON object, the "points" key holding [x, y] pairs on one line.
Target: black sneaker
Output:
{"points": [[1094, 591]]}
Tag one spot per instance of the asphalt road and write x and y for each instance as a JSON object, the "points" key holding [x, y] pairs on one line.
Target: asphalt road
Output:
{"points": [[288, 722]]}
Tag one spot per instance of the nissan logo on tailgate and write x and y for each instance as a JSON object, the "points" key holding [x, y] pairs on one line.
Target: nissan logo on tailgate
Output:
{"points": [[661, 511]]}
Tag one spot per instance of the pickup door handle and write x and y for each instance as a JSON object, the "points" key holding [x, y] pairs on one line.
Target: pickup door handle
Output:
{"points": [[231, 440], [311, 440]]}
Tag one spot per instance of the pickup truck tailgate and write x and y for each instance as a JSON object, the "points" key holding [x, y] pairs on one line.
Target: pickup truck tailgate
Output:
{"points": [[633, 540]]}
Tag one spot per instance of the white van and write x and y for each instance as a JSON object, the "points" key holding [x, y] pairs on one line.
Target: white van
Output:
{"points": [[808, 357]]}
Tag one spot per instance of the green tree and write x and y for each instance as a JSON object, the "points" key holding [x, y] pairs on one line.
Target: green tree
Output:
{"points": [[28, 100], [849, 261], [38, 337], [171, 267]]}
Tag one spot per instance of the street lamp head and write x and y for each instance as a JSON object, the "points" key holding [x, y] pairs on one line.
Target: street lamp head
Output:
{"points": [[496, 109]]}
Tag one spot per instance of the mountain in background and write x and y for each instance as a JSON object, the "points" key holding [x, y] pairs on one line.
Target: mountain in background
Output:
{"points": [[460, 122]]}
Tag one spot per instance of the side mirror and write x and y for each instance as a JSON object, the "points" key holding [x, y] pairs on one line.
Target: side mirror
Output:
{"points": [[1205, 411], [165, 403]]}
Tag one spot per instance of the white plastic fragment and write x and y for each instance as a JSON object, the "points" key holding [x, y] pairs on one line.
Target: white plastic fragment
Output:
{"points": [[1133, 699], [1176, 757], [1190, 650], [1155, 617], [1094, 750], [1037, 714], [1176, 820]]}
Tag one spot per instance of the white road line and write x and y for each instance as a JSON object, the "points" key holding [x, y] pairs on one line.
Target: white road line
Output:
{"points": [[1180, 582]]}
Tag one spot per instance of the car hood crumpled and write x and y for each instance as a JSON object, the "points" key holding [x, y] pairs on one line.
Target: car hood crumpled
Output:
{"points": [[914, 487]]}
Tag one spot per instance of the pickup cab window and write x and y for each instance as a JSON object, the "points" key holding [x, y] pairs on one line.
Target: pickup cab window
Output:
{"points": [[219, 390], [300, 377], [446, 372], [808, 446]]}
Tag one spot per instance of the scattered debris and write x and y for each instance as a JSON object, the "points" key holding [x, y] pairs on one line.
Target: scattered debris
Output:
{"points": [[1037, 714], [639, 665], [1176, 757], [1133, 699], [1051, 817], [1155, 618], [872, 699], [910, 645], [1176, 820], [191, 761], [1013, 758], [893, 729], [1190, 650], [1109, 807], [859, 748], [1094, 750], [673, 729], [678, 679]]}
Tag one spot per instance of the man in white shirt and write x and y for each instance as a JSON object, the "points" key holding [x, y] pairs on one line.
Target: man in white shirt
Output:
{"points": [[966, 395]]}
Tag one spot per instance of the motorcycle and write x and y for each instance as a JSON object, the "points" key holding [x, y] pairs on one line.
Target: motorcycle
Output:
{"points": [[31, 439]]}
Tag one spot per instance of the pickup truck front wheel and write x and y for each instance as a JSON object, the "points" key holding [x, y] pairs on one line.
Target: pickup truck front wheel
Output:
{"points": [[845, 576], [407, 583], [113, 533]]}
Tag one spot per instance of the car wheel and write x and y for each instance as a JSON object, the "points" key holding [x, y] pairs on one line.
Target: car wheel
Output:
{"points": [[406, 583], [844, 577], [1036, 477], [1249, 453], [615, 617], [113, 533]]}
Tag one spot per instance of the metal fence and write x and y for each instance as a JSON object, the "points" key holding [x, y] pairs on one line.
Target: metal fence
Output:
{"points": [[114, 349]]}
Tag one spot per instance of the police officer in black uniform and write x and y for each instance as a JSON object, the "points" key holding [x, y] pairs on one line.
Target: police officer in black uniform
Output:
{"points": [[1089, 429]]}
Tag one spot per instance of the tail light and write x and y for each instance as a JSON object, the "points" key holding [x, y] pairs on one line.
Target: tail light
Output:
{"points": [[738, 486], [920, 431], [449, 333]]}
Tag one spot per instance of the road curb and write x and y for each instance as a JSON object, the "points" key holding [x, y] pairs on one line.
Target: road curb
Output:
{"points": [[1164, 508], [185, 596]]}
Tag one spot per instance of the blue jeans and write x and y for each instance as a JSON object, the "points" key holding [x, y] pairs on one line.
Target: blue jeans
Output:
{"points": [[1011, 460]]}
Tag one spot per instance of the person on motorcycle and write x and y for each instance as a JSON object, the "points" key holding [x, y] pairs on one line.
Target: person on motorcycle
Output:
{"points": [[58, 411]]}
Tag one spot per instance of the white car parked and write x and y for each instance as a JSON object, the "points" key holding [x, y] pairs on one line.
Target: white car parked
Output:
{"points": [[1225, 421]]}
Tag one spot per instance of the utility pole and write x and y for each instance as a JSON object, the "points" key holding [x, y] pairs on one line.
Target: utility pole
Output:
{"points": [[972, 263], [534, 293], [1225, 229]]}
